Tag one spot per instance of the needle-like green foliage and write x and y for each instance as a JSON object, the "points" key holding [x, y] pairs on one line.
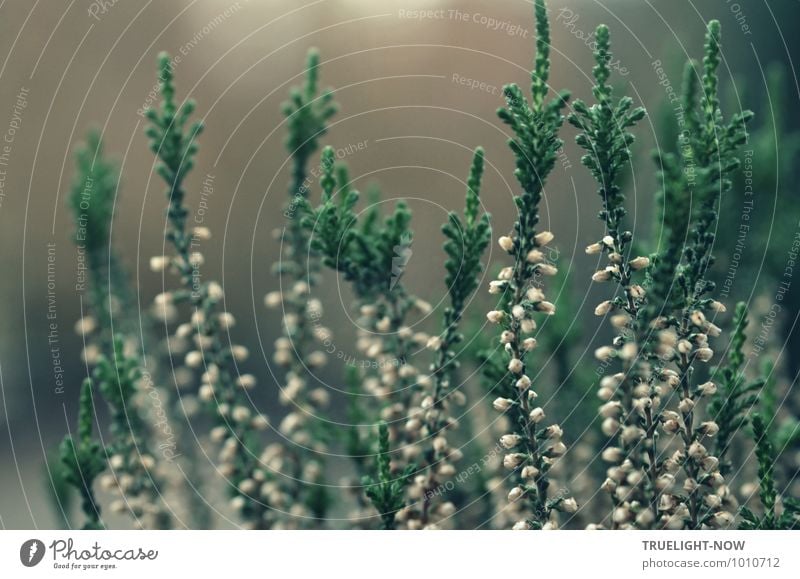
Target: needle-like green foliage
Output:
{"points": [[363, 252], [91, 200], [770, 518], [535, 145], [173, 138], [92, 195], [604, 136], [696, 178], [387, 493], [735, 395], [307, 112], [83, 458], [465, 243]]}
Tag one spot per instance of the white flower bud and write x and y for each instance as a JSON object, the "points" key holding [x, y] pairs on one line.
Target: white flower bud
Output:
{"points": [[509, 441], [523, 383], [239, 353], [202, 233], [194, 359], [215, 291], [495, 316], [554, 432], [709, 428], [547, 269], [159, 263], [723, 519], [521, 526], [434, 343], [637, 292], [611, 409], [639, 263], [707, 389], [705, 354], [536, 415], [604, 353], [506, 243], [196, 259], [528, 344], [546, 308], [502, 404], [697, 451], [543, 238], [260, 422], [569, 505], [610, 426], [515, 494], [603, 308], [246, 381], [601, 275], [535, 256], [594, 249], [515, 366], [496, 287], [513, 460]]}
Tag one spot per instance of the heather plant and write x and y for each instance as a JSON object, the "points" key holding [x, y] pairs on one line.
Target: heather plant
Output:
{"points": [[466, 242], [364, 251], [223, 390], [83, 458], [627, 410], [307, 112], [131, 462], [736, 395], [777, 512], [387, 493], [699, 174], [91, 200], [115, 369], [532, 446]]}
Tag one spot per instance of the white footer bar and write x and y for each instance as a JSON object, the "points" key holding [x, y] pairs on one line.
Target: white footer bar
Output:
{"points": [[386, 555]]}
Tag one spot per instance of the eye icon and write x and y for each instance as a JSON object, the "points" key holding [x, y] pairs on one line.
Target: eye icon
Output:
{"points": [[32, 552]]}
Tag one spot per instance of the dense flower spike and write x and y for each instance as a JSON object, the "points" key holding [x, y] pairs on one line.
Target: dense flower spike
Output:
{"points": [[299, 350], [173, 140], [628, 410], [535, 125], [116, 365], [710, 148], [466, 242]]}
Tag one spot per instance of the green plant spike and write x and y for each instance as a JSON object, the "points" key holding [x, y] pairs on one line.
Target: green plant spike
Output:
{"points": [[83, 459], [387, 493], [736, 395], [173, 141], [91, 201]]}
